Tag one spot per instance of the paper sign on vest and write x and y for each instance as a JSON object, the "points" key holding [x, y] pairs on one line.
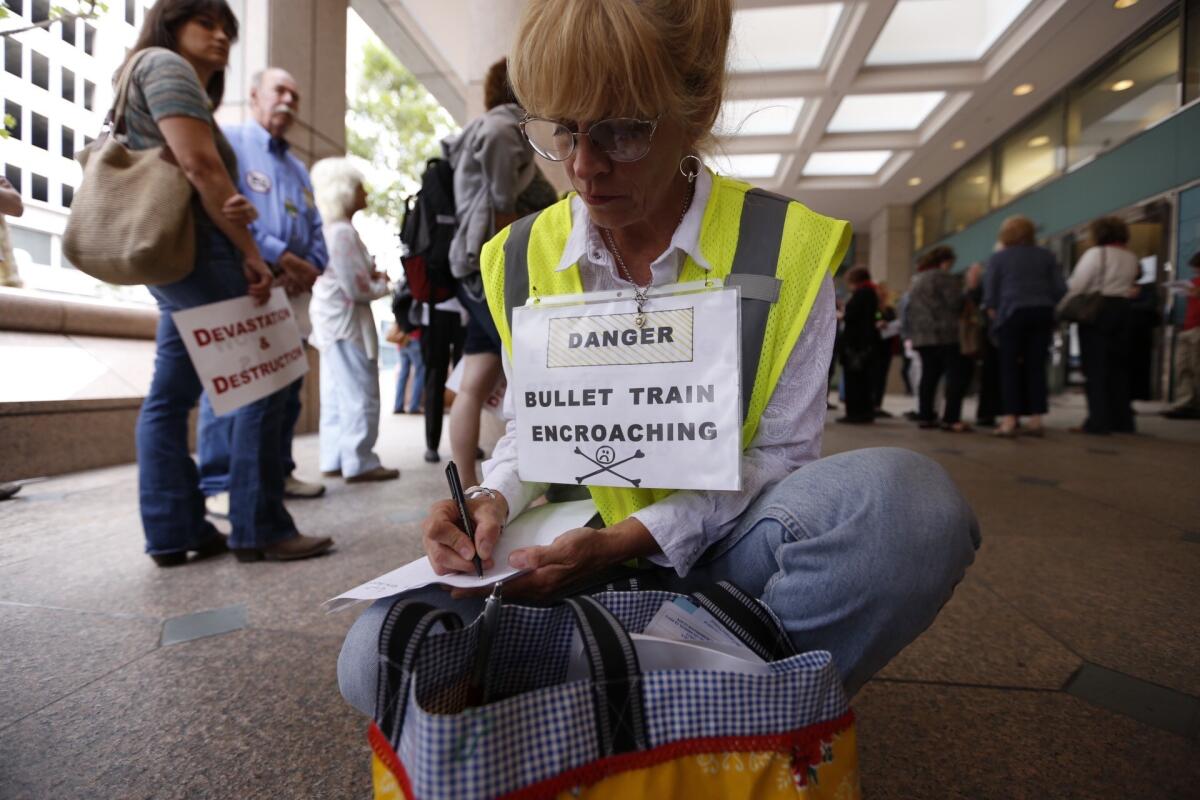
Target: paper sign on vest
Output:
{"points": [[601, 401], [243, 351]]}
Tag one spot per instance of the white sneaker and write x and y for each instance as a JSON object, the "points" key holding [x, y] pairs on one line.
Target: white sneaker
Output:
{"points": [[294, 487], [217, 505]]}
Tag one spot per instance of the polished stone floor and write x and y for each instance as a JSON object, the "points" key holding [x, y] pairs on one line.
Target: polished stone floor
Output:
{"points": [[1067, 663]]}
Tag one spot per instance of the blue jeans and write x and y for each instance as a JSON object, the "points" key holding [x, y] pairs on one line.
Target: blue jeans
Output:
{"points": [[410, 358], [172, 506], [855, 553], [213, 434], [349, 409]]}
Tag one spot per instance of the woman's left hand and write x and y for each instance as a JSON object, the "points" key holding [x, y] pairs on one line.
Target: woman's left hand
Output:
{"points": [[239, 210], [562, 564]]}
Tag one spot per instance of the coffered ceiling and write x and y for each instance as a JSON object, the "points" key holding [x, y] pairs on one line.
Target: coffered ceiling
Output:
{"points": [[848, 106]]}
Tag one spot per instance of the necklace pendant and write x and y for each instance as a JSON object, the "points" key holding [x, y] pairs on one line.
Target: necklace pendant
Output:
{"points": [[640, 320]]}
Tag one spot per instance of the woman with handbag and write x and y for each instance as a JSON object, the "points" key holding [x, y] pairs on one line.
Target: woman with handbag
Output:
{"points": [[173, 79], [828, 544], [1021, 285], [1098, 298], [935, 308]]}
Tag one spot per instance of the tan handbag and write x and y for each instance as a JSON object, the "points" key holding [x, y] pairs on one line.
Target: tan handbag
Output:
{"points": [[131, 219]]}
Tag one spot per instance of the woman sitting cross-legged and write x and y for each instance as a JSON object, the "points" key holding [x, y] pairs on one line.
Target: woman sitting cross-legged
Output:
{"points": [[855, 553]]}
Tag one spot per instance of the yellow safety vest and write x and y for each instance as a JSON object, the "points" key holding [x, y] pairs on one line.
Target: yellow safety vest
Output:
{"points": [[777, 250]]}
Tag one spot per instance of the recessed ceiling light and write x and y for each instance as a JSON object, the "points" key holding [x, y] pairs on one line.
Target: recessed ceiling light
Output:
{"points": [[914, 181], [1023, 89], [1124, 3], [1122, 85], [959, 144], [978, 179], [1039, 141]]}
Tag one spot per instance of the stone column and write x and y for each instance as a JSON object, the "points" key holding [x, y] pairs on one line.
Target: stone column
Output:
{"points": [[891, 251]]}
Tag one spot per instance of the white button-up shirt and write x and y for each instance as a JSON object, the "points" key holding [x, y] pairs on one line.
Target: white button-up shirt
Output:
{"points": [[687, 523]]}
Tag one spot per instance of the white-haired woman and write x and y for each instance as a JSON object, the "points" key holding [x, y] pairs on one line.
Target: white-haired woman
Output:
{"points": [[344, 330]]}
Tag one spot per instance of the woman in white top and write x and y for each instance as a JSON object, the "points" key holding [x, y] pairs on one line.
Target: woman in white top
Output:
{"points": [[344, 330], [1112, 270]]}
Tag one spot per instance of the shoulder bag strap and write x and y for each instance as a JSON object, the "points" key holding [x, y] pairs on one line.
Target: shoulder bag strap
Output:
{"points": [[121, 98], [747, 619], [616, 678], [404, 630]]}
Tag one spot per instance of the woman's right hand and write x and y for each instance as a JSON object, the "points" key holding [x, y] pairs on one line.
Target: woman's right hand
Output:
{"points": [[446, 544], [258, 278], [239, 210]]}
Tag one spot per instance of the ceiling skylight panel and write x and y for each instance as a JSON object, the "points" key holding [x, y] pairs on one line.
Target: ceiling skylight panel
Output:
{"points": [[901, 111], [754, 165], [782, 37], [929, 31], [850, 162], [759, 117]]}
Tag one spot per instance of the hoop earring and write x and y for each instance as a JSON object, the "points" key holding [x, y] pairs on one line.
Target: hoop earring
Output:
{"points": [[690, 170]]}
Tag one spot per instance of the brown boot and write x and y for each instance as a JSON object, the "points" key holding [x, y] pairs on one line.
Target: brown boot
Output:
{"points": [[297, 547], [375, 474]]}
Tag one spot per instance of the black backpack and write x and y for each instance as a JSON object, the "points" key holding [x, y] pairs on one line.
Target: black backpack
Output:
{"points": [[426, 231]]}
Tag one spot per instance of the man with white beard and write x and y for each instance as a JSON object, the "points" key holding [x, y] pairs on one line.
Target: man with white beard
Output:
{"points": [[288, 233]]}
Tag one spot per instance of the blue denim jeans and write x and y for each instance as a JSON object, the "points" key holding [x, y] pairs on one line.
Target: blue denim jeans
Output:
{"points": [[213, 434], [855, 553], [410, 361], [172, 506]]}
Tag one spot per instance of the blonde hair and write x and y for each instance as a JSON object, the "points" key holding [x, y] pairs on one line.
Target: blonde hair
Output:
{"points": [[584, 60], [1016, 231], [335, 180]]}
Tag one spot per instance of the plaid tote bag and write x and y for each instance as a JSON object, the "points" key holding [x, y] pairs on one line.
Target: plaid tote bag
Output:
{"points": [[534, 732]]}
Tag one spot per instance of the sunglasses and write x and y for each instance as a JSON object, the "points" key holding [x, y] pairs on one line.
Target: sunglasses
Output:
{"points": [[620, 138]]}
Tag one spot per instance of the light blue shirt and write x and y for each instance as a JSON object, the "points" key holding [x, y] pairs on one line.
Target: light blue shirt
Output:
{"points": [[278, 185]]}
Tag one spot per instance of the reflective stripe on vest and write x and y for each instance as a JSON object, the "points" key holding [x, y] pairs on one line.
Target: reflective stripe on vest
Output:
{"points": [[760, 233]]}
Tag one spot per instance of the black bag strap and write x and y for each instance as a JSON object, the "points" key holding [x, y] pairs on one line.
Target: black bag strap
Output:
{"points": [[747, 619], [405, 628], [616, 678]]}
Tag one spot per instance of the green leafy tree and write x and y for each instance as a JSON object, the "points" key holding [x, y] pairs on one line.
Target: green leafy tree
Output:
{"points": [[394, 123]]}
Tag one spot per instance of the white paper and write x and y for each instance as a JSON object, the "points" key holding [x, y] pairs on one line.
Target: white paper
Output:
{"points": [[603, 402], [681, 620], [535, 526], [242, 351], [655, 653]]}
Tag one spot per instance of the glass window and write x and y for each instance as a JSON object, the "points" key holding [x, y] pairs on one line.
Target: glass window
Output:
{"points": [[68, 195], [12, 56], [927, 219], [68, 32], [968, 194], [16, 6], [68, 85], [41, 10], [36, 243], [1191, 51], [13, 173], [1031, 153], [89, 95], [39, 187], [39, 131], [13, 110], [1138, 89], [40, 72], [89, 40], [130, 12], [68, 142]]}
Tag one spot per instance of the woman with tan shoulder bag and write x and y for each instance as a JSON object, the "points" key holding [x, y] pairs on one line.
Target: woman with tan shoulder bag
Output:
{"points": [[172, 80]]}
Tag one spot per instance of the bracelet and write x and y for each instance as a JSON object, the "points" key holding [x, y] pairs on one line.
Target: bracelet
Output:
{"points": [[476, 491]]}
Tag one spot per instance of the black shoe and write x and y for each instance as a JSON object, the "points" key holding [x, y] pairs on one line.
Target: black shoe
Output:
{"points": [[432, 457], [911, 416], [926, 424], [848, 420], [1181, 413], [219, 543], [881, 414]]}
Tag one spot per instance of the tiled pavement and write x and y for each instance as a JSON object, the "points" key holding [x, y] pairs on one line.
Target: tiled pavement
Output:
{"points": [[1066, 665]]}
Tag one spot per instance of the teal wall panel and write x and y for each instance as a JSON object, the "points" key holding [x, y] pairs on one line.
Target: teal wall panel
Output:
{"points": [[1155, 161]]}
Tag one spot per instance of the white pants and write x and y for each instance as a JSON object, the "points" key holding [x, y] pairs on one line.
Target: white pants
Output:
{"points": [[349, 409], [1187, 370]]}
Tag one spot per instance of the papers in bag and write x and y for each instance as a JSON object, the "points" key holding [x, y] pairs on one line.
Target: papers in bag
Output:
{"points": [[242, 351], [535, 526]]}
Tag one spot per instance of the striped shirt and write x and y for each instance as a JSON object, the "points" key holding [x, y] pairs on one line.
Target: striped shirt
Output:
{"points": [[165, 85]]}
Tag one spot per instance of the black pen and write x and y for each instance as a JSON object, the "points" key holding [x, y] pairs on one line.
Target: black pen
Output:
{"points": [[456, 492]]}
